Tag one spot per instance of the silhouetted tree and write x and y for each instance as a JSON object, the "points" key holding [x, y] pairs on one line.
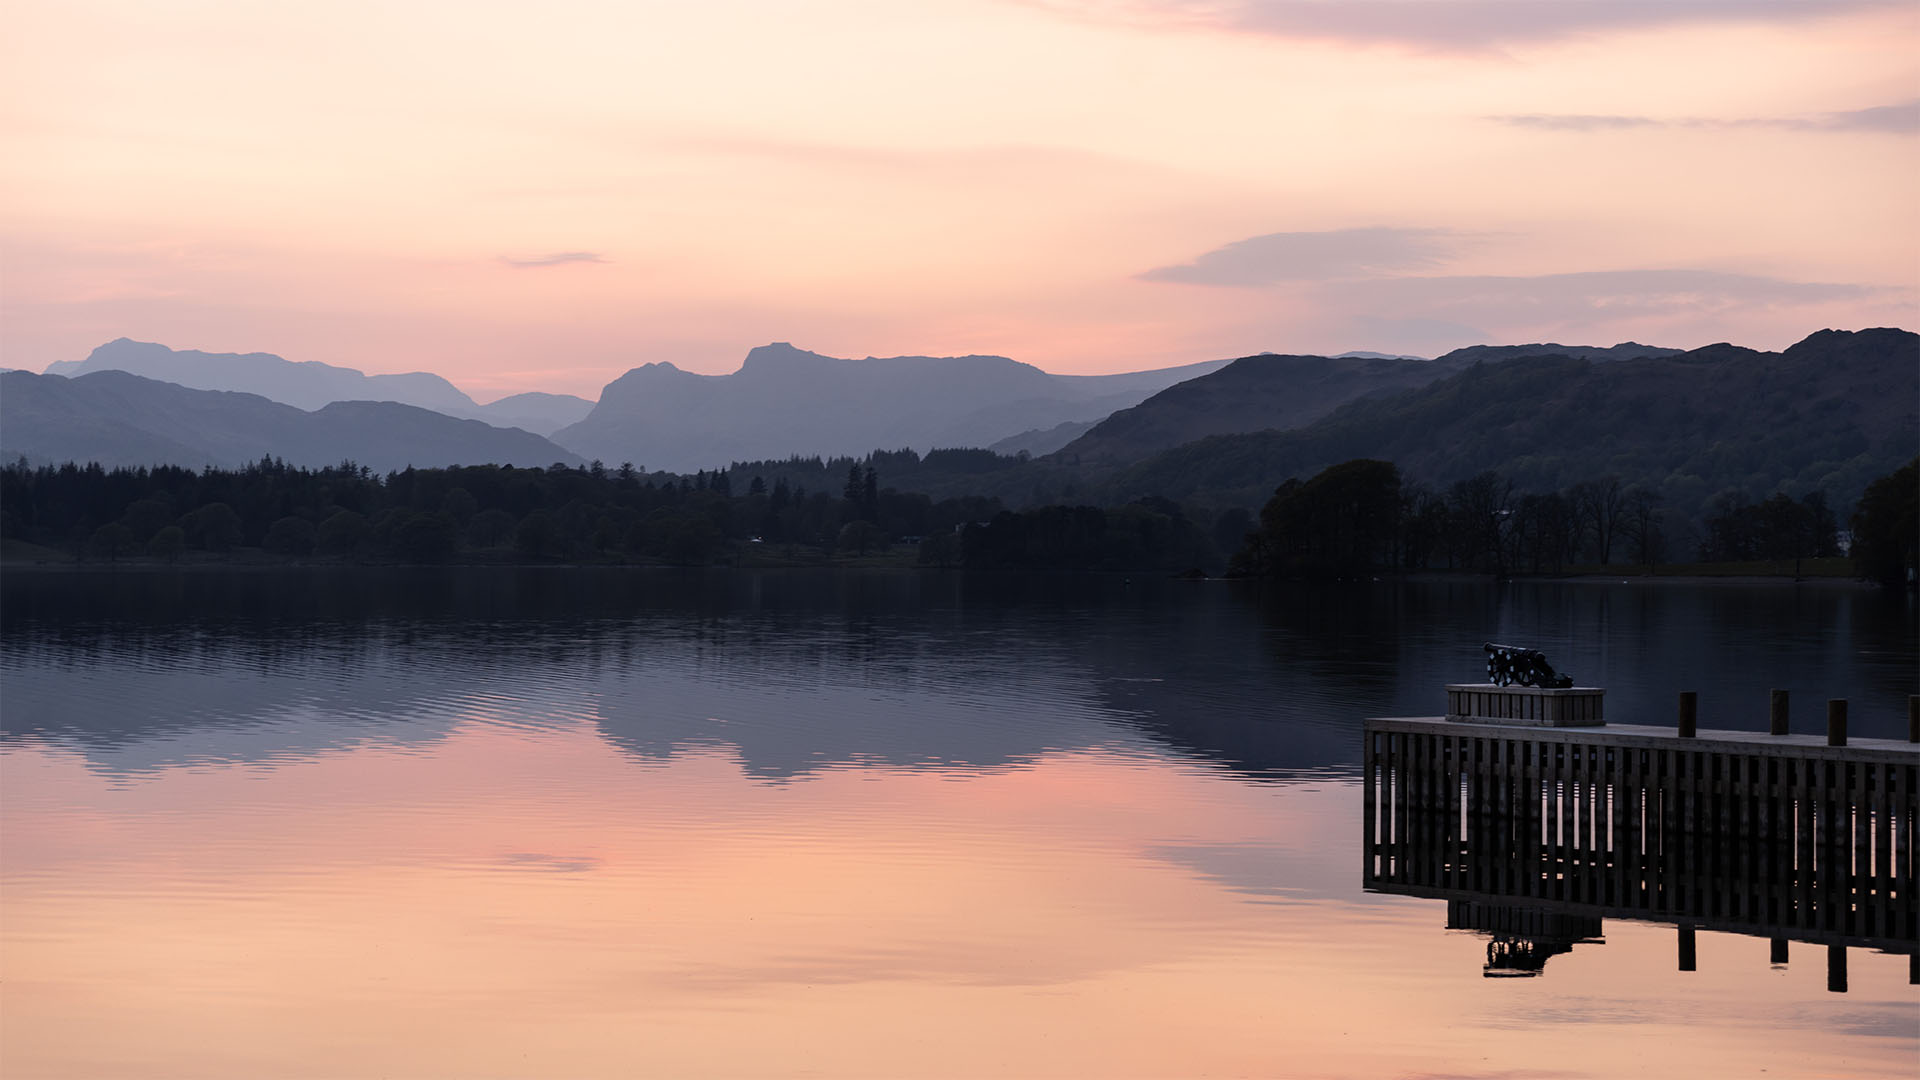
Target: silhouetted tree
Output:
{"points": [[110, 541], [289, 536], [1642, 525], [426, 538], [1599, 504], [1886, 528], [168, 543], [1344, 522], [341, 533], [860, 537]]}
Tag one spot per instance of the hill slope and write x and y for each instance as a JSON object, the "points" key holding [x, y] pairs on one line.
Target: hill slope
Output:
{"points": [[1253, 393], [1829, 413], [120, 419]]}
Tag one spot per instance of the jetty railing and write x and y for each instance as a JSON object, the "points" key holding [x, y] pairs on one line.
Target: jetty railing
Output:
{"points": [[1781, 836]]}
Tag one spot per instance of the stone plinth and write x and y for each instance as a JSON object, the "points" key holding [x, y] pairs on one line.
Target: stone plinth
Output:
{"points": [[1485, 703]]}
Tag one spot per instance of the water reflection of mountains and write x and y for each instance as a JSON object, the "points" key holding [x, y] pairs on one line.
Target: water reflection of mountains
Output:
{"points": [[798, 671]]}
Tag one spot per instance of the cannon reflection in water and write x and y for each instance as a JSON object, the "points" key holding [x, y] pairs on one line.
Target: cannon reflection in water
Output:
{"points": [[1517, 827], [1522, 939]]}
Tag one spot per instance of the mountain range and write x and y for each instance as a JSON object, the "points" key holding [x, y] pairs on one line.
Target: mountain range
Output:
{"points": [[310, 385], [116, 418], [1828, 413], [785, 401]]}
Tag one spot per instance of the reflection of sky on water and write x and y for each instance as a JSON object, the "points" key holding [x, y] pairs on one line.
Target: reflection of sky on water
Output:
{"points": [[849, 824]]}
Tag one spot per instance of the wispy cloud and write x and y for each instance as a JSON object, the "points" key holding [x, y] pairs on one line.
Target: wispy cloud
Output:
{"points": [[558, 258], [1449, 24], [1577, 122], [1614, 294], [1304, 256], [1898, 119]]}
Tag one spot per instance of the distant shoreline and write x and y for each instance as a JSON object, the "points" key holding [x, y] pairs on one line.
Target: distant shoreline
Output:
{"points": [[45, 561]]}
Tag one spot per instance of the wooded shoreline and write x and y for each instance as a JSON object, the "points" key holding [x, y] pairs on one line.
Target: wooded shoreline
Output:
{"points": [[17, 557]]}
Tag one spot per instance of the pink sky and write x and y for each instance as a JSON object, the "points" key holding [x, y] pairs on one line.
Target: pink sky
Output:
{"points": [[541, 200]]}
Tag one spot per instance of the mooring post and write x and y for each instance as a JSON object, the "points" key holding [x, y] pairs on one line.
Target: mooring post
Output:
{"points": [[1689, 705], [1689, 960], [1913, 717], [1778, 953], [1837, 722], [1837, 969], [1777, 713]]}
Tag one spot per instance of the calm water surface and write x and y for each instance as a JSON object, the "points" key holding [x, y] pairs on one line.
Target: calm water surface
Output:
{"points": [[610, 824]]}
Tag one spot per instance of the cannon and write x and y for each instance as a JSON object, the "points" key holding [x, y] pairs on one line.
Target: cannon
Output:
{"points": [[1508, 665]]}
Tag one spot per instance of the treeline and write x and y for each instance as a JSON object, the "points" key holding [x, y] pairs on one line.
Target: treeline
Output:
{"points": [[1351, 520], [557, 513], [1360, 518], [1148, 534]]}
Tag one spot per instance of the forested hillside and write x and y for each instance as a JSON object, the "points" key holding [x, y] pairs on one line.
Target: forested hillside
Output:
{"points": [[1828, 414], [1253, 393]]}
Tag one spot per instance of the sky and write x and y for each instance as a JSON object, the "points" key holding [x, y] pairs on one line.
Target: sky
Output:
{"points": [[540, 198]]}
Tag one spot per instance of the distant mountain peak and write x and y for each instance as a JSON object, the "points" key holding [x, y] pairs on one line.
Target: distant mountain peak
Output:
{"points": [[780, 353], [1363, 354]]}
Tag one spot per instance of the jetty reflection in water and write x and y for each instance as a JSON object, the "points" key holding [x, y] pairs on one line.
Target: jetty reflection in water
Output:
{"points": [[1534, 837]]}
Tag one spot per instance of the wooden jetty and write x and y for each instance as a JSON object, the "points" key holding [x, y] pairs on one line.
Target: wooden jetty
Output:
{"points": [[1790, 837]]}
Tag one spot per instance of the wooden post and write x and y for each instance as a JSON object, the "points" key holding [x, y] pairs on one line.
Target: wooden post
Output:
{"points": [[1777, 713], [1837, 969], [1837, 722], [1689, 960], [1689, 713], [1778, 953]]}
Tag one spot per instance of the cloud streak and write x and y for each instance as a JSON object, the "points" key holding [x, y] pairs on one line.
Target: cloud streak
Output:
{"points": [[1464, 25], [1305, 256], [558, 258], [1902, 118], [1578, 122], [1611, 294], [1899, 119]]}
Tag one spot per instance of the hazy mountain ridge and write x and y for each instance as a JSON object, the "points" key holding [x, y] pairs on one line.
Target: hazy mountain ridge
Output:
{"points": [[536, 411], [1829, 413], [310, 384], [116, 418], [306, 384], [1039, 442], [785, 400]]}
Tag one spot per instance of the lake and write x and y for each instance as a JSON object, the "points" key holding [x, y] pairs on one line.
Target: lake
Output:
{"points": [[614, 823]]}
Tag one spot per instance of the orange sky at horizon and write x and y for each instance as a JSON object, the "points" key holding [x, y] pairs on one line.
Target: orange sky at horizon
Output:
{"points": [[522, 202]]}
